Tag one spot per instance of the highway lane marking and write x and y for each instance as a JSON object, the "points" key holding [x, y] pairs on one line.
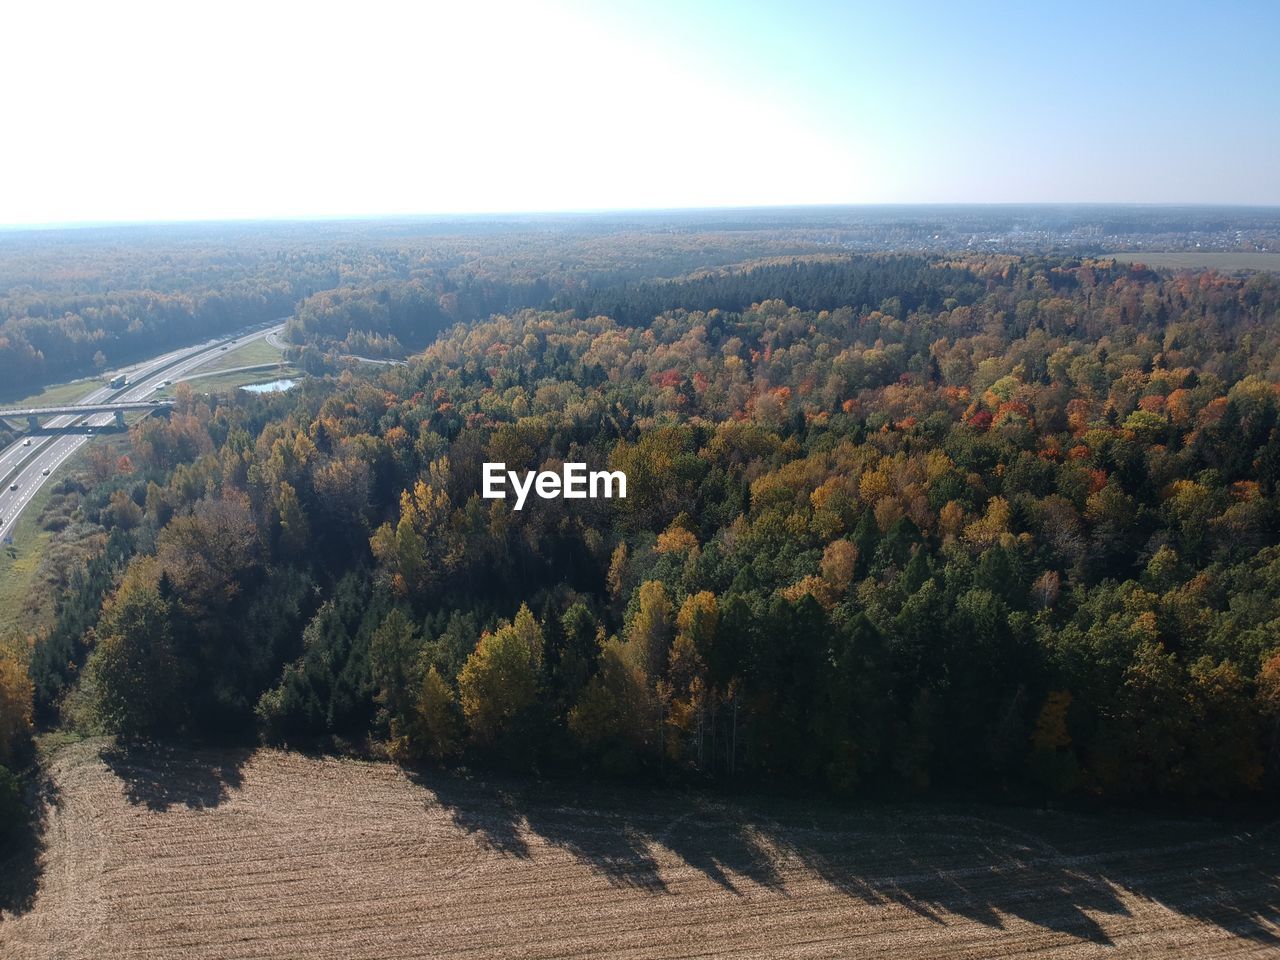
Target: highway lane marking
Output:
{"points": [[27, 493]]}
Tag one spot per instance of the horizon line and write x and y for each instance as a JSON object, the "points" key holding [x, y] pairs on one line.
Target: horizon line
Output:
{"points": [[18, 227]]}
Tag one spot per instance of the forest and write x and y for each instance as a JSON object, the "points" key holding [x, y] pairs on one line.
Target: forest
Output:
{"points": [[74, 303], [893, 524]]}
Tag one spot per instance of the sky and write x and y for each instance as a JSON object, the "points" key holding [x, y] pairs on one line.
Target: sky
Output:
{"points": [[129, 111]]}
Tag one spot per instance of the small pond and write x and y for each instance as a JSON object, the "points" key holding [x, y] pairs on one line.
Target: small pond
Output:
{"points": [[275, 386]]}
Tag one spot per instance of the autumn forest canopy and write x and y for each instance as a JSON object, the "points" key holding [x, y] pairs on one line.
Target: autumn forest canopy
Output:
{"points": [[894, 522]]}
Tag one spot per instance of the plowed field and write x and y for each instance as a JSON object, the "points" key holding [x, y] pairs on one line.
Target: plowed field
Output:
{"points": [[230, 854]]}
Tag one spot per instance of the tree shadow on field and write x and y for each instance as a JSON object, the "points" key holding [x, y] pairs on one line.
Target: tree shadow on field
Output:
{"points": [[1072, 875], [506, 815], [159, 777], [22, 850], [483, 810]]}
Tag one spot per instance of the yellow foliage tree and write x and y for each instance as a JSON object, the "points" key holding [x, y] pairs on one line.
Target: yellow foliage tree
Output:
{"points": [[295, 531], [499, 681], [839, 562], [1051, 726], [651, 628], [437, 732], [676, 540], [989, 530], [618, 704], [15, 707]]}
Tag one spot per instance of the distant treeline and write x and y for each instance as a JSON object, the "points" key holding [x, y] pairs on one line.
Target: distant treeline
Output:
{"points": [[899, 283], [387, 318]]}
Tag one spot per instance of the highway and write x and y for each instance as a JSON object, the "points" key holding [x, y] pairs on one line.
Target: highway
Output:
{"points": [[15, 453], [38, 462]]}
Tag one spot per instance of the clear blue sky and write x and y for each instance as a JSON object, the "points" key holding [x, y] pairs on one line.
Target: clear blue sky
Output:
{"points": [[157, 110]]}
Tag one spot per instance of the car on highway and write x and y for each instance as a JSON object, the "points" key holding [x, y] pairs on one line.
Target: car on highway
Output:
{"points": [[44, 472], [13, 486], [26, 442]]}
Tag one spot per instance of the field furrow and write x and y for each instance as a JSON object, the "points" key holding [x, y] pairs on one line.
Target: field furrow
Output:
{"points": [[187, 854]]}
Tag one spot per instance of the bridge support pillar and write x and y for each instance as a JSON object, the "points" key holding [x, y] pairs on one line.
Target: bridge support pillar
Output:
{"points": [[119, 418], [33, 422]]}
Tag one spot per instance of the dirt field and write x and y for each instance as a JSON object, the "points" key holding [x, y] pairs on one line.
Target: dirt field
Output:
{"points": [[269, 854]]}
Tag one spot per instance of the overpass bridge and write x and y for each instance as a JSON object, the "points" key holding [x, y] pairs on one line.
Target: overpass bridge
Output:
{"points": [[33, 415]]}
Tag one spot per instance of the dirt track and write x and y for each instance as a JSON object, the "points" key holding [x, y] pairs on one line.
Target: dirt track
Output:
{"points": [[268, 854]]}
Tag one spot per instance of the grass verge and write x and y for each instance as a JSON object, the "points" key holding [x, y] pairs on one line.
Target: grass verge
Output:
{"points": [[20, 562], [257, 351], [59, 393]]}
